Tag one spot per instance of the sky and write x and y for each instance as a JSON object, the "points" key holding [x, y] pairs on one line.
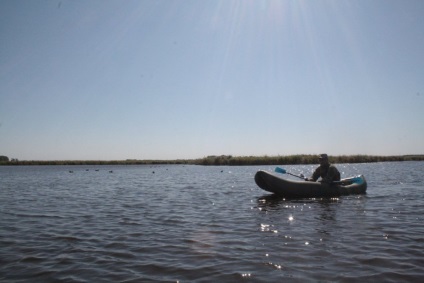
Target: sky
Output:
{"points": [[168, 79]]}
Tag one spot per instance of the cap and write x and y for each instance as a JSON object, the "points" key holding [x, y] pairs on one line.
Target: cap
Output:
{"points": [[323, 156]]}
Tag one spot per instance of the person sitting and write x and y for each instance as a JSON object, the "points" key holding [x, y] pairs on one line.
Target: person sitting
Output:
{"points": [[328, 172]]}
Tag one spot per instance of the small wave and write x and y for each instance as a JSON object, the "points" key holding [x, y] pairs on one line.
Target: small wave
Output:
{"points": [[32, 215], [32, 259], [67, 238]]}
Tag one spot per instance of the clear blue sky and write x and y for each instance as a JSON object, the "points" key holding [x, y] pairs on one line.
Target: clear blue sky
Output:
{"points": [[164, 79]]}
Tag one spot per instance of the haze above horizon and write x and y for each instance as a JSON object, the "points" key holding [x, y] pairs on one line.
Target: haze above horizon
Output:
{"points": [[113, 80]]}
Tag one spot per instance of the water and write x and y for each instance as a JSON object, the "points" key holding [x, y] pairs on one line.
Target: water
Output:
{"points": [[206, 224]]}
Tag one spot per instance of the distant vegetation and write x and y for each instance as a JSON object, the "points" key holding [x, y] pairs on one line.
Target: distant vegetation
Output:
{"points": [[225, 160], [300, 159], [4, 158], [94, 162]]}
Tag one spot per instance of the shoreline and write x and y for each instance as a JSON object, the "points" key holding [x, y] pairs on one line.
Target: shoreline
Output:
{"points": [[223, 160]]}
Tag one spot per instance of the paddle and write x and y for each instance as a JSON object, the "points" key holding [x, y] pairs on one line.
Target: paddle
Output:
{"points": [[351, 180], [283, 171]]}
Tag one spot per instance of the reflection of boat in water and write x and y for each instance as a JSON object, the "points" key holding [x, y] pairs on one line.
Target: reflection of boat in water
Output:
{"points": [[305, 189]]}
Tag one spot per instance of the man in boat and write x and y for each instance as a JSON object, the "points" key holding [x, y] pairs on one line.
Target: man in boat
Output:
{"points": [[328, 172]]}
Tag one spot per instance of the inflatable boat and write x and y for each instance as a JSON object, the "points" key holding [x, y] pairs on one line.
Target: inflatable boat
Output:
{"points": [[306, 189]]}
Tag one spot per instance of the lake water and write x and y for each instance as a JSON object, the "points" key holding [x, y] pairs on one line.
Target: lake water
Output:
{"points": [[206, 224]]}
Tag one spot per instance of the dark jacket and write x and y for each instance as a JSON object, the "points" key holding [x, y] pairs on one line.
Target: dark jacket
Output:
{"points": [[328, 173]]}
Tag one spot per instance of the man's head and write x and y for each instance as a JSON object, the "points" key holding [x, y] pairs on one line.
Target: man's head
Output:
{"points": [[323, 159]]}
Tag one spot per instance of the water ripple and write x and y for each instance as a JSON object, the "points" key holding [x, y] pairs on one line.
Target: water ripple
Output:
{"points": [[198, 224]]}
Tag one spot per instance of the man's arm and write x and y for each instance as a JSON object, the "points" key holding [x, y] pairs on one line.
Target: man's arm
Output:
{"points": [[315, 175]]}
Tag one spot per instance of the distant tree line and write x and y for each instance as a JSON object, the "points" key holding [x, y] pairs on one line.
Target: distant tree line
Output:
{"points": [[4, 158], [94, 162], [225, 160], [300, 159]]}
